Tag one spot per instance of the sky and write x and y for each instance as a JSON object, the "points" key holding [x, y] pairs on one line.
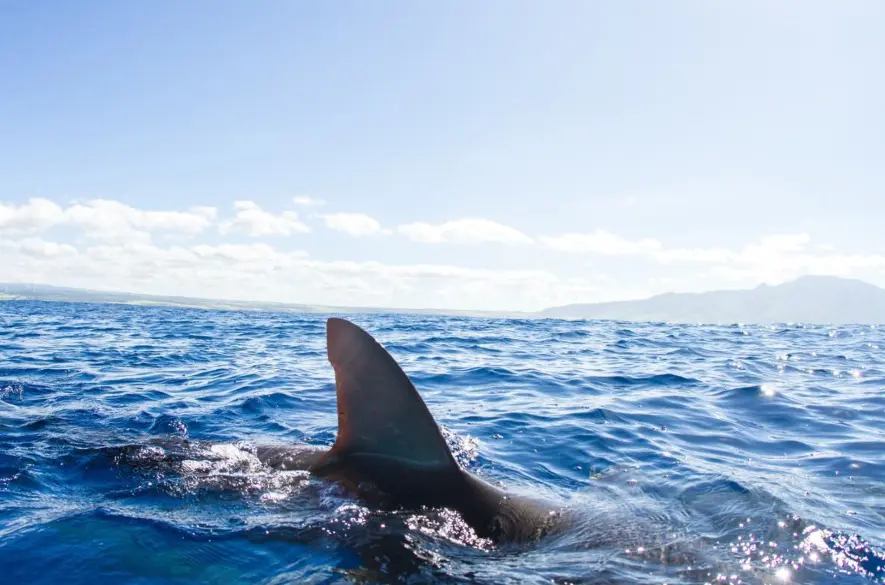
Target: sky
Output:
{"points": [[503, 154]]}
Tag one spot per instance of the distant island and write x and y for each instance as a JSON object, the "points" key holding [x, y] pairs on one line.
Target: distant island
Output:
{"points": [[809, 299]]}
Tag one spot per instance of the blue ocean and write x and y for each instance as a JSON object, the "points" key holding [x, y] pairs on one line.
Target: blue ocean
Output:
{"points": [[688, 454]]}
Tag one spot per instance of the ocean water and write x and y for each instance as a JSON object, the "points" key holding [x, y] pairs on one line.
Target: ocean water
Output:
{"points": [[687, 454]]}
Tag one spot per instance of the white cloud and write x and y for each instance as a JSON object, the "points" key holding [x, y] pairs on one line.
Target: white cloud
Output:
{"points": [[778, 243], [249, 255], [38, 248], [353, 224], [601, 242], [262, 272], [256, 222], [772, 259], [606, 243], [120, 253], [308, 201], [781, 257], [464, 231], [35, 216], [692, 255], [104, 219]]}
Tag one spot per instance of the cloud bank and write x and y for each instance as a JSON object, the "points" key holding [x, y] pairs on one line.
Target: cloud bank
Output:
{"points": [[250, 253]]}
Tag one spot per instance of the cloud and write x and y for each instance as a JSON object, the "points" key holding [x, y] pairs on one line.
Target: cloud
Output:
{"points": [[308, 201], [605, 243], [467, 231], [103, 219], [119, 252], [256, 222], [773, 259], [35, 216], [781, 257], [252, 255], [38, 248], [785, 242], [262, 272], [600, 242], [692, 255], [353, 224]]}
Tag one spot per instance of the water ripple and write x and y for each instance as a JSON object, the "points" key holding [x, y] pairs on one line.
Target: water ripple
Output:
{"points": [[689, 454]]}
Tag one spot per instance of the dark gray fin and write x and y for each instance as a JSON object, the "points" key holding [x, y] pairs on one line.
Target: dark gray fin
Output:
{"points": [[380, 413]]}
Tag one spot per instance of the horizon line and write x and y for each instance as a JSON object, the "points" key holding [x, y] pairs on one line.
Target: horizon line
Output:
{"points": [[375, 308]]}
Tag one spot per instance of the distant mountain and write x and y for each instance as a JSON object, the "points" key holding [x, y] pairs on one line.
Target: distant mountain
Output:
{"points": [[810, 299]]}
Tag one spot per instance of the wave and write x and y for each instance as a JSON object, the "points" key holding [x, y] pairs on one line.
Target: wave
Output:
{"points": [[686, 452]]}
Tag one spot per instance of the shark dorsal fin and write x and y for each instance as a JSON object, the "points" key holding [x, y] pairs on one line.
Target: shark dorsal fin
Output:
{"points": [[380, 413]]}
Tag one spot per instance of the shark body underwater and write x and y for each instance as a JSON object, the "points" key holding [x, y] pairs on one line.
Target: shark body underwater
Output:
{"points": [[390, 452]]}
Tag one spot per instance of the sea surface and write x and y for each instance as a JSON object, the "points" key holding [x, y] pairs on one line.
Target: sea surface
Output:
{"points": [[687, 454]]}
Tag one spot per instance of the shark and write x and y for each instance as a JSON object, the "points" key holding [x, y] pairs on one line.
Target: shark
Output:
{"points": [[390, 452]]}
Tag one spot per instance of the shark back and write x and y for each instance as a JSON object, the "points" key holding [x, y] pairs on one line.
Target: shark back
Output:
{"points": [[389, 448]]}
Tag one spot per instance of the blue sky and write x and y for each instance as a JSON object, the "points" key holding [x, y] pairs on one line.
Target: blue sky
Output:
{"points": [[495, 154]]}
